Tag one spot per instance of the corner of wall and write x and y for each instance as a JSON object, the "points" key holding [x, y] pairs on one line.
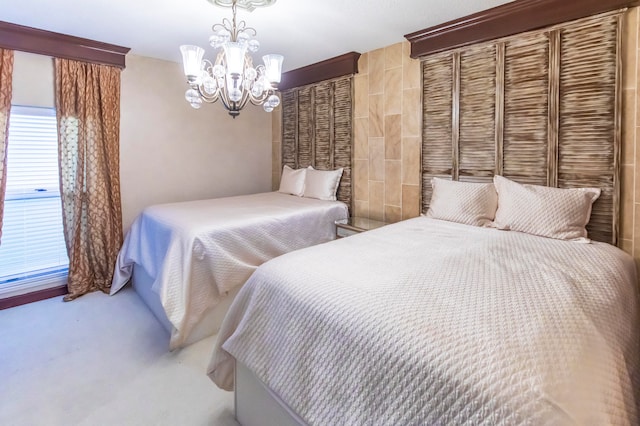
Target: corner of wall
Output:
{"points": [[387, 134]]}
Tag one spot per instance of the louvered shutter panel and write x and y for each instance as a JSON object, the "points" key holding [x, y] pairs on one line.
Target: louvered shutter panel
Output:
{"points": [[541, 107], [317, 129]]}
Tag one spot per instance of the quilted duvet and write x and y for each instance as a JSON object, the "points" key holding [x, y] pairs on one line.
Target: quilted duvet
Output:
{"points": [[427, 322], [198, 251]]}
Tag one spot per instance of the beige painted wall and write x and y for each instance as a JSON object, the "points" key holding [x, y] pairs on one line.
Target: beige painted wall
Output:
{"points": [[170, 152], [32, 80]]}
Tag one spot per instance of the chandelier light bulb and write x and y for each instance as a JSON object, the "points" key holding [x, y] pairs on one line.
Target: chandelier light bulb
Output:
{"points": [[192, 61], [231, 78], [273, 67]]}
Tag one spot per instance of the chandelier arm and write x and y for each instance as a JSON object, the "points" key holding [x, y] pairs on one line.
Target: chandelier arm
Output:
{"points": [[207, 97], [259, 100]]}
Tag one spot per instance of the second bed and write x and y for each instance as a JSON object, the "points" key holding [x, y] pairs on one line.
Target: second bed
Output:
{"points": [[187, 260]]}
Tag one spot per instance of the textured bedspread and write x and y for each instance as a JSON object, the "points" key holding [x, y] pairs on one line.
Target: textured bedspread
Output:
{"points": [[198, 251], [433, 323]]}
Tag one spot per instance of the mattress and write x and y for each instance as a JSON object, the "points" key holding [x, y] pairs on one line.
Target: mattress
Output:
{"points": [[432, 322], [197, 252]]}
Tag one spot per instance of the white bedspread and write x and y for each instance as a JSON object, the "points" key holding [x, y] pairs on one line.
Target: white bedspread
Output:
{"points": [[198, 251], [433, 323]]}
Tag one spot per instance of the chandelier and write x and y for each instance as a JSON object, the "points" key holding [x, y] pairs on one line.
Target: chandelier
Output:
{"points": [[232, 78]]}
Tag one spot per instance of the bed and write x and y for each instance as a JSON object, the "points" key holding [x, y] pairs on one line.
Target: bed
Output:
{"points": [[434, 322], [187, 260]]}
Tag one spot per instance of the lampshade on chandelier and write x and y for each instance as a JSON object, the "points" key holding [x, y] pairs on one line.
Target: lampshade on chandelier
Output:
{"points": [[232, 78]]}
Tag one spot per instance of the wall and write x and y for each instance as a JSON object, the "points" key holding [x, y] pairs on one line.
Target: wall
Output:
{"points": [[387, 134], [630, 194], [169, 152], [32, 80]]}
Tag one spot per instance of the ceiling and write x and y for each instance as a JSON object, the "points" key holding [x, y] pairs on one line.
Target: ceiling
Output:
{"points": [[304, 31]]}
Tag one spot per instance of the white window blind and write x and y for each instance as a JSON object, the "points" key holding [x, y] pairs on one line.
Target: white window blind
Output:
{"points": [[32, 243]]}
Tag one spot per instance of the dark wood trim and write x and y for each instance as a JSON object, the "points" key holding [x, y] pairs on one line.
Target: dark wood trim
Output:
{"points": [[35, 296], [33, 40], [505, 20], [325, 70]]}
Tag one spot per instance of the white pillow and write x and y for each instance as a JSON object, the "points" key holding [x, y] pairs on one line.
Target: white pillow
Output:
{"points": [[463, 202], [545, 211], [322, 184], [292, 181]]}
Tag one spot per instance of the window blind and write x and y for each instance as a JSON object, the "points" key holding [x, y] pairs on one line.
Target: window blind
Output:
{"points": [[32, 242]]}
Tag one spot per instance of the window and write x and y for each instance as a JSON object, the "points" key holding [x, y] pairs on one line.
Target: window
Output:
{"points": [[32, 249]]}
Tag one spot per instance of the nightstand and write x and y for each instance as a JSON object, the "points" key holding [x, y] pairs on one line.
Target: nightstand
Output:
{"points": [[355, 225]]}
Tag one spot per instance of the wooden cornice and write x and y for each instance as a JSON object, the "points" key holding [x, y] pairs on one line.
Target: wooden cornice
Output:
{"points": [[505, 20], [33, 40], [331, 68]]}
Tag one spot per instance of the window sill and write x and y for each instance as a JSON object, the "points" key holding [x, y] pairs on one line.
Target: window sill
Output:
{"points": [[33, 284]]}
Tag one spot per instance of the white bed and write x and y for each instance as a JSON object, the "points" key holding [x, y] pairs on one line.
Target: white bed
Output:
{"points": [[187, 260], [433, 322]]}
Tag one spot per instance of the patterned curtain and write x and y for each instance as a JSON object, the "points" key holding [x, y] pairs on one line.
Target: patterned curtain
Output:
{"points": [[6, 71], [88, 113]]}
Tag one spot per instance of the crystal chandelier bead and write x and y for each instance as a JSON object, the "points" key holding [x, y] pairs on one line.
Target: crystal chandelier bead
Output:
{"points": [[192, 96], [224, 35], [243, 38], [267, 107], [250, 74], [196, 105], [218, 71], [214, 41], [257, 90], [210, 85], [235, 95], [273, 101], [254, 45]]}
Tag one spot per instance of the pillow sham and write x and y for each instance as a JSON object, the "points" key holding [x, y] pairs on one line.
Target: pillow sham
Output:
{"points": [[322, 184], [463, 202], [549, 212], [292, 181]]}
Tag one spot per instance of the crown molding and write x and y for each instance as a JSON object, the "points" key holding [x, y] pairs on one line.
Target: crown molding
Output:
{"points": [[338, 66], [505, 20], [33, 40]]}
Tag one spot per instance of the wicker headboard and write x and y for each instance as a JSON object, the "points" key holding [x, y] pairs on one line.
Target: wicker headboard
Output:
{"points": [[317, 129], [541, 107]]}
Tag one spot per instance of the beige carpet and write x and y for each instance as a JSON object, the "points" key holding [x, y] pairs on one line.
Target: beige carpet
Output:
{"points": [[102, 360]]}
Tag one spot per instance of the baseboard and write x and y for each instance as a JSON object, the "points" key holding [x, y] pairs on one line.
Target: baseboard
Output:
{"points": [[22, 299]]}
